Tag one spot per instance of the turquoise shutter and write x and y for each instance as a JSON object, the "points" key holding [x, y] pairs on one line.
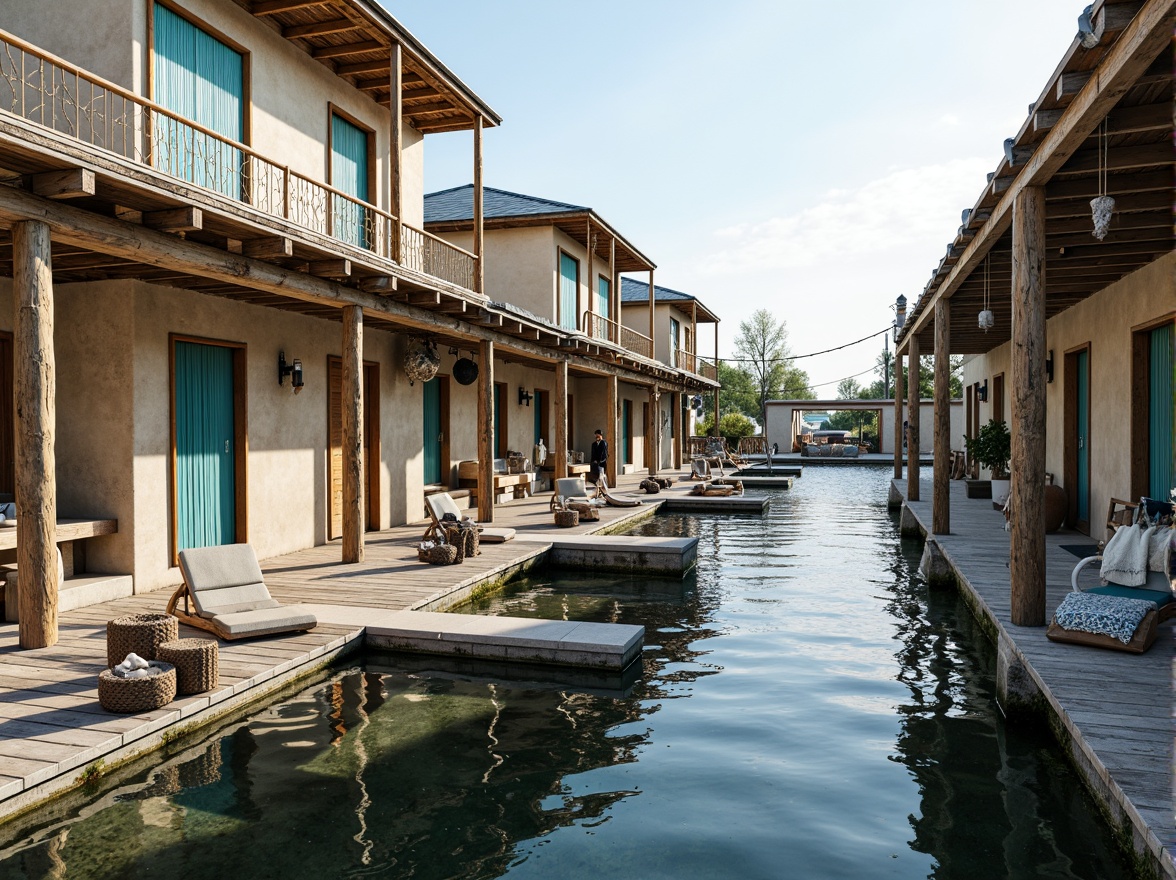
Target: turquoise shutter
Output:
{"points": [[203, 80], [1159, 412], [537, 403], [569, 280], [432, 430], [349, 173], [497, 419], [602, 286], [626, 431], [1083, 394], [205, 482], [675, 331]]}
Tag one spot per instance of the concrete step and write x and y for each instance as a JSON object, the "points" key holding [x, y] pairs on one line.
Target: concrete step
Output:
{"points": [[75, 592], [622, 553], [714, 504]]}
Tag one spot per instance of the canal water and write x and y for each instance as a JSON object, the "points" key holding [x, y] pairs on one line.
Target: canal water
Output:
{"points": [[806, 708]]}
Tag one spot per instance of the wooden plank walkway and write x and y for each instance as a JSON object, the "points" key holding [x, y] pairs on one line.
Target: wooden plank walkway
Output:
{"points": [[1115, 708], [52, 728]]}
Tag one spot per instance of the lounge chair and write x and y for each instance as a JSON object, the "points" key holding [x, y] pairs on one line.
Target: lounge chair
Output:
{"points": [[441, 503], [700, 469], [620, 500], [225, 585], [573, 489]]}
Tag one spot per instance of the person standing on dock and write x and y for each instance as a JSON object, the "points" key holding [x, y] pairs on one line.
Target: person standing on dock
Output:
{"points": [[598, 458]]}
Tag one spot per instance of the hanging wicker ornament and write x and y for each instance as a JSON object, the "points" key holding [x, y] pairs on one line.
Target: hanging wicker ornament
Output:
{"points": [[1102, 206], [421, 361], [465, 371], [986, 319]]}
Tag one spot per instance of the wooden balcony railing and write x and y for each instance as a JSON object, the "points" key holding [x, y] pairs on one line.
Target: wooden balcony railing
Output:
{"points": [[685, 360], [707, 370], [597, 326], [46, 90]]}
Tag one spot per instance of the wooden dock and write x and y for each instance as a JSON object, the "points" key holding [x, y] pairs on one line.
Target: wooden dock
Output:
{"points": [[1111, 710], [53, 731]]}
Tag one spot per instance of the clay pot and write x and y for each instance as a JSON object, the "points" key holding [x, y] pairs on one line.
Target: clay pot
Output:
{"points": [[1057, 505]]}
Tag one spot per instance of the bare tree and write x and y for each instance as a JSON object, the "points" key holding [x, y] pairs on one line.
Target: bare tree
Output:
{"points": [[762, 346]]}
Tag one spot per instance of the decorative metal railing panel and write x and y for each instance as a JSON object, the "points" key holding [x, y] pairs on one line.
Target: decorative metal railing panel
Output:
{"points": [[48, 91]]}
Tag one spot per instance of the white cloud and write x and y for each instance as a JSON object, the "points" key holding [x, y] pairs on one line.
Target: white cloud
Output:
{"points": [[906, 207]]}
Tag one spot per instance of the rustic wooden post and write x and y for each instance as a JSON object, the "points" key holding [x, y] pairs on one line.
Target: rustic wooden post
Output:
{"points": [[561, 419], [395, 152], [479, 243], [654, 430], [899, 392], [1027, 558], [913, 419], [614, 298], [941, 491], [676, 421], [652, 342], [352, 407], [611, 406], [486, 435], [587, 307], [715, 429], [35, 390]]}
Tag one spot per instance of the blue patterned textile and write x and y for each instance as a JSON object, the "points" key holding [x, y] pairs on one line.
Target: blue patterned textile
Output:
{"points": [[1106, 615]]}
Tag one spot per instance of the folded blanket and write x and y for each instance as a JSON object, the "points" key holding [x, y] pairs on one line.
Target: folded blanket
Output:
{"points": [[1106, 615], [1125, 556]]}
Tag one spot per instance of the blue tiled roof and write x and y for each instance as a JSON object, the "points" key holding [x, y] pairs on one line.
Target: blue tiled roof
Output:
{"points": [[458, 204], [635, 290]]}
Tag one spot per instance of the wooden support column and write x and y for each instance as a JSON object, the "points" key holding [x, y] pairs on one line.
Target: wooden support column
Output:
{"points": [[1027, 557], [676, 421], [612, 408], [941, 490], [352, 407], [913, 420], [655, 430], [486, 434], [614, 297], [715, 429], [479, 242], [561, 419], [35, 390], [395, 152], [587, 307], [652, 338], [899, 393]]}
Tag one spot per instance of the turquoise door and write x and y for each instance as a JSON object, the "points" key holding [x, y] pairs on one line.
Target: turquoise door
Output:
{"points": [[497, 418], [1083, 438], [1159, 412], [205, 447], [626, 432], [602, 287], [203, 80], [537, 403], [432, 430], [349, 173], [569, 284]]}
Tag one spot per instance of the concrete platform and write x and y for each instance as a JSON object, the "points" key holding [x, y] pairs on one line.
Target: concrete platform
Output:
{"points": [[755, 505], [561, 642], [75, 592], [778, 470], [765, 482], [622, 553]]}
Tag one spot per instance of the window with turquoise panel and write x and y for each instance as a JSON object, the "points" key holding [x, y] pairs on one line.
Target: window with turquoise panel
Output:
{"points": [[1159, 412], [675, 340], [201, 80], [349, 173], [602, 291], [569, 286]]}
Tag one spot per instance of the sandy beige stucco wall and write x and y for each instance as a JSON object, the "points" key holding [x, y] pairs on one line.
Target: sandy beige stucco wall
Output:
{"points": [[1105, 322], [93, 35]]}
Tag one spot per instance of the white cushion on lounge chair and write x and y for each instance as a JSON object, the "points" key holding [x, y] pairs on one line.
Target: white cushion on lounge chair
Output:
{"points": [[441, 503], [263, 621], [492, 535]]}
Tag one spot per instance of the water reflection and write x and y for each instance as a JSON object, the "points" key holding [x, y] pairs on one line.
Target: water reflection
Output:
{"points": [[806, 708]]}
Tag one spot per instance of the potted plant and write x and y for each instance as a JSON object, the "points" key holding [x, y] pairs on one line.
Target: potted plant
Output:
{"points": [[991, 447]]}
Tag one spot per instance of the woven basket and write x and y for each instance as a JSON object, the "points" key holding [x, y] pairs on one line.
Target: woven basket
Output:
{"points": [[132, 695], [565, 519], [438, 554], [140, 634], [196, 663]]}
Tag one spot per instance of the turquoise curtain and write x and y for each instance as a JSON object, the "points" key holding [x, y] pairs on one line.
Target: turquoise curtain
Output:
{"points": [[497, 419], [432, 430], [1083, 369], [626, 432], [203, 80], [602, 285], [1159, 412], [349, 173], [675, 337], [205, 482], [569, 281], [537, 404]]}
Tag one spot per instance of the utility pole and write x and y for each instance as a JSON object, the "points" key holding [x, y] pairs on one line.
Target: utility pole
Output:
{"points": [[886, 367]]}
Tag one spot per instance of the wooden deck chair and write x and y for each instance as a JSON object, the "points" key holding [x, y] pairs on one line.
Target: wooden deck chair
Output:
{"points": [[226, 588], [620, 500], [572, 489], [700, 469], [441, 503]]}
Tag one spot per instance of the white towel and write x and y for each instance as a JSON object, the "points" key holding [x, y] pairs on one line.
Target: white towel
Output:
{"points": [[1125, 556]]}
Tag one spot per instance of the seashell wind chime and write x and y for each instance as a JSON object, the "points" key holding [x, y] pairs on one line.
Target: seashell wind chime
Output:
{"points": [[1102, 206], [986, 320]]}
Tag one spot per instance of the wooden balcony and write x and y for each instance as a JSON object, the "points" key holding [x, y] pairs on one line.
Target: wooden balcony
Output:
{"points": [[597, 326], [103, 121]]}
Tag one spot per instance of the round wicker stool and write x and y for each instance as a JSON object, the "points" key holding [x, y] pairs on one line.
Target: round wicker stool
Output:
{"points": [[132, 695], [140, 634], [196, 661], [565, 519]]}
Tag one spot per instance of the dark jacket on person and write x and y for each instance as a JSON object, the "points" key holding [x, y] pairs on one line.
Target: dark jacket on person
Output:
{"points": [[599, 454]]}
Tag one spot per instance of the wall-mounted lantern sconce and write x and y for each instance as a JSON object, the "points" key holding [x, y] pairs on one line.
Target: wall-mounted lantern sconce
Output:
{"points": [[524, 396], [982, 392], [292, 369], [1049, 366]]}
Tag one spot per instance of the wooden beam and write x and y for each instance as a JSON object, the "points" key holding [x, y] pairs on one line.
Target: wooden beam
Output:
{"points": [[654, 429], [913, 419], [434, 107], [72, 183], [35, 407], [186, 219], [562, 441], [339, 268], [898, 431], [378, 284], [324, 52], [377, 65], [272, 247], [371, 85], [352, 412], [941, 490], [486, 432], [1027, 352], [1070, 84], [420, 94], [1120, 158], [272, 7], [396, 149], [319, 28]]}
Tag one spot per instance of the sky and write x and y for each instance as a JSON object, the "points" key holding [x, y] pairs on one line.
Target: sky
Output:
{"points": [[811, 159]]}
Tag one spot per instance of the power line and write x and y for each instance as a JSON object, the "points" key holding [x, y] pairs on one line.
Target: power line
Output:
{"points": [[842, 379], [797, 357]]}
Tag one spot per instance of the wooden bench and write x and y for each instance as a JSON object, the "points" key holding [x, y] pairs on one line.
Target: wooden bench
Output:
{"points": [[70, 532], [574, 470]]}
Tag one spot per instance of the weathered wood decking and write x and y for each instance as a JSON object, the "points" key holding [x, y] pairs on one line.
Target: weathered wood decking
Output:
{"points": [[1114, 709], [52, 727]]}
